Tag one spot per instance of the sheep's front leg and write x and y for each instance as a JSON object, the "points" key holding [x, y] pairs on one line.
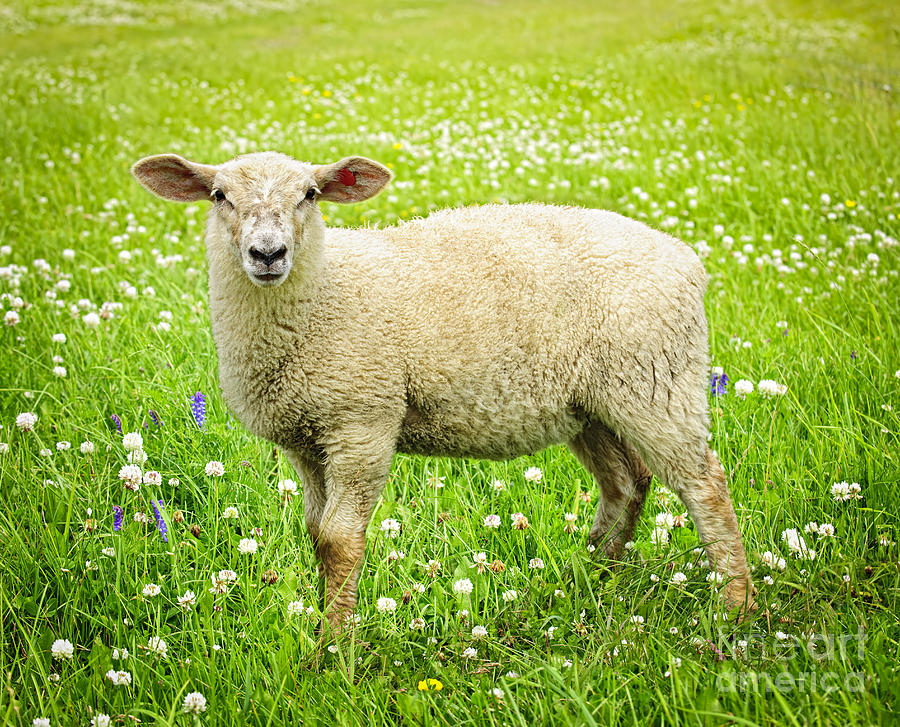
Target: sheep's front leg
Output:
{"points": [[356, 470]]}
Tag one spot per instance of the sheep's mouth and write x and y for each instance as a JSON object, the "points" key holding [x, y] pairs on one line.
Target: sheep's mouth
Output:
{"points": [[267, 278]]}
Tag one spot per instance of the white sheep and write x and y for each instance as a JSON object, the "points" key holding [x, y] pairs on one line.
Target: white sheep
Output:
{"points": [[487, 332]]}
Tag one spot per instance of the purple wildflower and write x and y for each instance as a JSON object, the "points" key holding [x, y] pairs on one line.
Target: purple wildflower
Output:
{"points": [[717, 652], [117, 422], [117, 519], [198, 408], [160, 522], [155, 417], [853, 354], [717, 384]]}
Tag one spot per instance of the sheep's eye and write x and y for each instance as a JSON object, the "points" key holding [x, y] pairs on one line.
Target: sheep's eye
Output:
{"points": [[219, 195], [311, 193]]}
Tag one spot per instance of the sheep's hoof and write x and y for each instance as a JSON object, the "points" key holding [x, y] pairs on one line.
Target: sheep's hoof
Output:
{"points": [[739, 594]]}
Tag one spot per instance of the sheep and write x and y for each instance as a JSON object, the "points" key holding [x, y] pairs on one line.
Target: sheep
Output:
{"points": [[489, 332]]}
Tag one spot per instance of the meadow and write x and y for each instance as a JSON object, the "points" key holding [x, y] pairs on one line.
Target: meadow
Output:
{"points": [[154, 564]]}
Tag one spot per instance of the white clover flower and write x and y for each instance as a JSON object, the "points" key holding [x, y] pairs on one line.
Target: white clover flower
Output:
{"points": [[230, 513], [174, 482], [11, 318], [91, 320], [119, 654], [678, 578], [811, 527], [87, 447], [479, 632], [215, 468], [659, 536], [287, 489], [158, 646], [60, 371], [769, 388], [665, 520], [843, 491], [4, 448], [463, 585], [194, 703], [418, 588], [479, 561], [119, 678], [637, 620], [247, 546], [533, 474], [498, 485], [417, 624], [130, 474], [742, 387], [768, 580], [152, 477], [386, 605], [492, 521], [219, 585], [715, 578], [773, 561], [109, 552], [101, 720], [26, 421], [509, 596], [536, 563], [390, 527], [63, 446], [519, 521], [794, 542], [40, 722], [470, 653], [294, 608], [151, 590], [140, 517], [187, 600], [62, 649]]}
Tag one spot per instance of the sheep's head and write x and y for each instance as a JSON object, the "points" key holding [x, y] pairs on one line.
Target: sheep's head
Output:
{"points": [[267, 204]]}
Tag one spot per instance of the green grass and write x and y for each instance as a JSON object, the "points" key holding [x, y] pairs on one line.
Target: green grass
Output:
{"points": [[724, 123]]}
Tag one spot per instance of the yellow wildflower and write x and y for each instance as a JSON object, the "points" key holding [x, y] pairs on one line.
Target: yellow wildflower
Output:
{"points": [[430, 685]]}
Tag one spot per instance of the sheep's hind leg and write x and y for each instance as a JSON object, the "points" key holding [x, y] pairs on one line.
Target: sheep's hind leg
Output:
{"points": [[708, 502], [312, 476], [623, 479], [679, 456]]}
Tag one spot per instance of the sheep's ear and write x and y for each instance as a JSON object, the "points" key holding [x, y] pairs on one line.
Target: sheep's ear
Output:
{"points": [[351, 180], [173, 178]]}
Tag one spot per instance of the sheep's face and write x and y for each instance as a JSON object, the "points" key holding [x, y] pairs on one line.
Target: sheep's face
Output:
{"points": [[266, 204]]}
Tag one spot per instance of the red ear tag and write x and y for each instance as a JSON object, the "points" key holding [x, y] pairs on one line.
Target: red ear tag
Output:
{"points": [[346, 177]]}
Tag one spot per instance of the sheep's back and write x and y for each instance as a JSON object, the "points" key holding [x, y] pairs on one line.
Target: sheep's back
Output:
{"points": [[505, 316]]}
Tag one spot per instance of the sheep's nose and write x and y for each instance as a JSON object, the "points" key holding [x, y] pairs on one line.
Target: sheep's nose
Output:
{"points": [[268, 257]]}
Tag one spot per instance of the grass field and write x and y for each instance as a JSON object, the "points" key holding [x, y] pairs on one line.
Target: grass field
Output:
{"points": [[764, 134]]}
